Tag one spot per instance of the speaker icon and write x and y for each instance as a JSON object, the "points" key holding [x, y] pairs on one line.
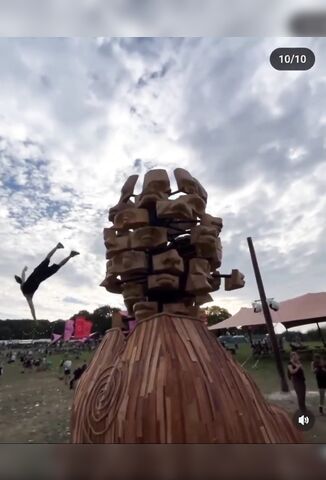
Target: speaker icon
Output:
{"points": [[303, 420]]}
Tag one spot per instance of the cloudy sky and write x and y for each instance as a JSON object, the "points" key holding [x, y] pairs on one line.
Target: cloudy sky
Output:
{"points": [[80, 115]]}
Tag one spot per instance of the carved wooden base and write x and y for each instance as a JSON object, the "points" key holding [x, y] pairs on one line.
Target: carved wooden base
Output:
{"points": [[171, 382]]}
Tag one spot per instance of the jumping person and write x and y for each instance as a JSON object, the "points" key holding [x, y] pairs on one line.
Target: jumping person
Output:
{"points": [[39, 274]]}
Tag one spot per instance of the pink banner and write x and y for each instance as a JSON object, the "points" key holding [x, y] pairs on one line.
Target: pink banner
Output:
{"points": [[82, 328], [69, 330], [55, 337]]}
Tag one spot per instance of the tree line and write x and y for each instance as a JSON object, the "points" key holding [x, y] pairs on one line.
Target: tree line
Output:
{"points": [[101, 319]]}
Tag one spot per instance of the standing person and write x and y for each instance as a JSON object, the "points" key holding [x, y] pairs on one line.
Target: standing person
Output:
{"points": [[39, 274], [318, 366], [296, 375], [67, 364]]}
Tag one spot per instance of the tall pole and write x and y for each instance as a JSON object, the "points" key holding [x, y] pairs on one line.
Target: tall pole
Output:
{"points": [[268, 318]]}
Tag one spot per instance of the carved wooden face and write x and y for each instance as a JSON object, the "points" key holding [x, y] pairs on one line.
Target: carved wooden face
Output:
{"points": [[163, 281], [169, 262], [131, 218], [156, 187], [148, 237], [131, 261], [202, 235], [236, 281], [186, 207], [210, 251], [112, 284], [210, 221], [119, 207], [198, 277], [128, 188], [188, 184], [114, 243], [215, 281], [156, 181], [216, 258], [132, 290], [143, 310], [148, 200], [132, 293]]}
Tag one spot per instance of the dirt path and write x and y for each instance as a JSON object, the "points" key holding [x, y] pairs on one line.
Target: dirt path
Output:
{"points": [[35, 409], [289, 402]]}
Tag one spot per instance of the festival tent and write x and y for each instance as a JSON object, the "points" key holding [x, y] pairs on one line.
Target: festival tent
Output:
{"points": [[303, 310]]}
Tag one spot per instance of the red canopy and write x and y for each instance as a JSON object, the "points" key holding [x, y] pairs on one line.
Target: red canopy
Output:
{"points": [[303, 310]]}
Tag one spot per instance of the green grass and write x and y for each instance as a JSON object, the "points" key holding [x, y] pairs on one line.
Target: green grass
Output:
{"points": [[265, 373], [35, 406]]}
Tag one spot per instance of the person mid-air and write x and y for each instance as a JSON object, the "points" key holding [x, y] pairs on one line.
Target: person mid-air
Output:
{"points": [[39, 274]]}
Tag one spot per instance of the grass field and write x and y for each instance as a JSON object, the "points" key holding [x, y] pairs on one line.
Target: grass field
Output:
{"points": [[35, 406]]}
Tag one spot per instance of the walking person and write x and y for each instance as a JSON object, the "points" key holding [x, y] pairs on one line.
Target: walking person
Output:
{"points": [[67, 364], [77, 374], [39, 274], [296, 375], [318, 367]]}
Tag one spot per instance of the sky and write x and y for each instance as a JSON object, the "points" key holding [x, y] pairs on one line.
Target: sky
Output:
{"points": [[79, 115], [151, 17]]}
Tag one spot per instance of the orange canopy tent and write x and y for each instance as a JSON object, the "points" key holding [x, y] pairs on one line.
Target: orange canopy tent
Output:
{"points": [[303, 310]]}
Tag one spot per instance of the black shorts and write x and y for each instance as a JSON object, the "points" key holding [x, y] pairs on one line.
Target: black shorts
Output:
{"points": [[67, 371], [39, 274], [321, 381]]}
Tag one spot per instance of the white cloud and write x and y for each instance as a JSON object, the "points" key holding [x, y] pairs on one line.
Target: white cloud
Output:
{"points": [[77, 113]]}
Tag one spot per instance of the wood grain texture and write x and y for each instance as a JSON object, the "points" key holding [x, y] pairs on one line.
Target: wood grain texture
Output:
{"points": [[172, 382]]}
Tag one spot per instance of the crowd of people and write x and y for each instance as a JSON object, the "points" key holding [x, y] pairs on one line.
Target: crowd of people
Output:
{"points": [[37, 359], [29, 360], [263, 347], [297, 376]]}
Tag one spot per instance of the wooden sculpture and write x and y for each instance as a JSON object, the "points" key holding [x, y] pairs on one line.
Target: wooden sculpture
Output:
{"points": [[169, 381]]}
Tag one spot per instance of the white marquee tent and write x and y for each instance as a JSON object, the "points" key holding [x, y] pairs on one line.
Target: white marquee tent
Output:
{"points": [[303, 310]]}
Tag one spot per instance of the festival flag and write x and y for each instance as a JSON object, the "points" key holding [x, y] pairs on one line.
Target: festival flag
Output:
{"points": [[55, 337], [93, 334], [69, 330], [82, 328]]}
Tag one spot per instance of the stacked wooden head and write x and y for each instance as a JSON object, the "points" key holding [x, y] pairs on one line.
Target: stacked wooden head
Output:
{"points": [[163, 249], [169, 380]]}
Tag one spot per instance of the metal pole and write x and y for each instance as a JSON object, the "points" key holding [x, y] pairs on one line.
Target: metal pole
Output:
{"points": [[321, 334], [268, 318]]}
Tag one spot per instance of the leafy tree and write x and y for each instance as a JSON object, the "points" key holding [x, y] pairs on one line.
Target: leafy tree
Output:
{"points": [[58, 327], [102, 319], [216, 314], [5, 331], [82, 313]]}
